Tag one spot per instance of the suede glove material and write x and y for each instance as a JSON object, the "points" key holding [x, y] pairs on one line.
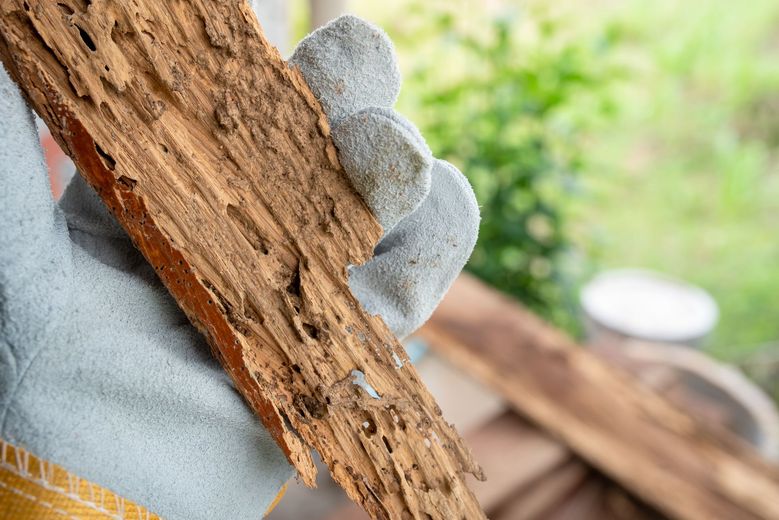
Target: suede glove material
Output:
{"points": [[100, 371]]}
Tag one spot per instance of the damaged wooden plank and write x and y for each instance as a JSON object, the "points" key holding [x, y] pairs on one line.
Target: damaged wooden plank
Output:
{"points": [[217, 160], [676, 464]]}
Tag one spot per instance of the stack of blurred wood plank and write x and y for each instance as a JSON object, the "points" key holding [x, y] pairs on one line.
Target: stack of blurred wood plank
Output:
{"points": [[562, 434]]}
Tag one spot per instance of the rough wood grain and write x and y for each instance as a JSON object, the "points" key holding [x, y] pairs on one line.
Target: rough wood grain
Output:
{"points": [[216, 158], [678, 465]]}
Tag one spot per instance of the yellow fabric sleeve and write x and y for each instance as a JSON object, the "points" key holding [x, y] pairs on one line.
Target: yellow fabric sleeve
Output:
{"points": [[33, 489]]}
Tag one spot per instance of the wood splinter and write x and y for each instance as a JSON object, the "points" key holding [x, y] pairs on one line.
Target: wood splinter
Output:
{"points": [[217, 160]]}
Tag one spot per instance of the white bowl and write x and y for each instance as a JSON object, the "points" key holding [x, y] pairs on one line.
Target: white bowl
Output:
{"points": [[641, 304]]}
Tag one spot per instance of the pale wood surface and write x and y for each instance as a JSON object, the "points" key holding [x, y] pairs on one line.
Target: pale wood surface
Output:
{"points": [[673, 462], [217, 160]]}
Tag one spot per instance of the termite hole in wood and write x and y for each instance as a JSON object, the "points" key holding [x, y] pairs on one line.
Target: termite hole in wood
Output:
{"points": [[87, 39], [314, 407], [294, 286], [311, 331], [109, 161], [127, 182], [65, 8], [369, 427], [387, 443]]}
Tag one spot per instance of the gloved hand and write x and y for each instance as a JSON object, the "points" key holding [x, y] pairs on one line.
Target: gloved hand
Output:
{"points": [[100, 371]]}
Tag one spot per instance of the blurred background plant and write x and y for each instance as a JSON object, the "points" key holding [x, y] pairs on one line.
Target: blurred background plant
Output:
{"points": [[609, 134], [508, 101], [511, 115]]}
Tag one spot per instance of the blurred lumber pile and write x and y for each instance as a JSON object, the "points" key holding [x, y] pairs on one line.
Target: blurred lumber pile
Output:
{"points": [[681, 466], [530, 476], [563, 435]]}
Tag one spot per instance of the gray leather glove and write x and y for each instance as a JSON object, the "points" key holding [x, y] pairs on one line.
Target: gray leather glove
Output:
{"points": [[100, 371]]}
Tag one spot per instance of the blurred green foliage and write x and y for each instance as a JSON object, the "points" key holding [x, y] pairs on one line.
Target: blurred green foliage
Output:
{"points": [[682, 178], [686, 179], [509, 111]]}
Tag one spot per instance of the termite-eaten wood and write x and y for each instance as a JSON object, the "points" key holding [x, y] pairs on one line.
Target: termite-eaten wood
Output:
{"points": [[216, 158]]}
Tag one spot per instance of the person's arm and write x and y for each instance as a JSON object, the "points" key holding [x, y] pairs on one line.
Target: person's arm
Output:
{"points": [[33, 239]]}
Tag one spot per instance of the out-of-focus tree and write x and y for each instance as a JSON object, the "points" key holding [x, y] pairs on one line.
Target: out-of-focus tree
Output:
{"points": [[510, 106]]}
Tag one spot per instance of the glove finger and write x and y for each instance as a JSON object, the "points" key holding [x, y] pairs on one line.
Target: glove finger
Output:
{"points": [[349, 65], [417, 262], [387, 162]]}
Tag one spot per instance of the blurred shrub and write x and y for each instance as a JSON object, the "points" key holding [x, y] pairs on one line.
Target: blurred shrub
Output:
{"points": [[509, 104]]}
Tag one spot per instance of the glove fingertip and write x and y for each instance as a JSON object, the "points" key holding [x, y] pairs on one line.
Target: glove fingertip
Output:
{"points": [[419, 260], [350, 65], [389, 164], [457, 190], [463, 191]]}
